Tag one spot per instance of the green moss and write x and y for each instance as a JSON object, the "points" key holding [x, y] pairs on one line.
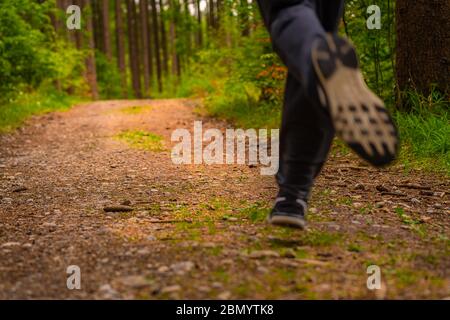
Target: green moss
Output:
{"points": [[135, 109], [142, 140]]}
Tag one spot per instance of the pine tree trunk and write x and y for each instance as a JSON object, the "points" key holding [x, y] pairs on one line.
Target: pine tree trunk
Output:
{"points": [[91, 71], [106, 33], [156, 44], [133, 48], [172, 37], [144, 44], [199, 25], [165, 53], [423, 45], [120, 46]]}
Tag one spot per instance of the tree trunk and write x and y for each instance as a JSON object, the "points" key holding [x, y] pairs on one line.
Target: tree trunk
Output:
{"points": [[156, 42], [97, 24], [120, 44], [145, 46], [133, 48], [172, 37], [200, 27], [423, 45], [165, 60], [91, 71], [106, 34]]}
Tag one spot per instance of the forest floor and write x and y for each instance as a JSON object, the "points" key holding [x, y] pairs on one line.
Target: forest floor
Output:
{"points": [[198, 231]]}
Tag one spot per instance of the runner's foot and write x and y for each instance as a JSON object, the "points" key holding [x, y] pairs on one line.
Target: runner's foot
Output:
{"points": [[288, 212], [359, 116]]}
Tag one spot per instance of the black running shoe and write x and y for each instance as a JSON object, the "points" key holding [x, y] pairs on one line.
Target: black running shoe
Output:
{"points": [[288, 212], [358, 115]]}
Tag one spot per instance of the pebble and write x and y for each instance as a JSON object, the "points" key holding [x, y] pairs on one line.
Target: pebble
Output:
{"points": [[10, 244], [163, 269], [108, 292], [181, 268], [264, 254], [224, 295], [216, 285], [170, 289], [358, 205], [135, 282]]}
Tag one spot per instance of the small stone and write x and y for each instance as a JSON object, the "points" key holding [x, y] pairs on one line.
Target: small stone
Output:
{"points": [[10, 244], [425, 219], [135, 282], [262, 269], [125, 203], [181, 268], [313, 210], [264, 254], [151, 238], [108, 292], [143, 251], [216, 285], [204, 289], [171, 289], [224, 295], [163, 269], [358, 205]]}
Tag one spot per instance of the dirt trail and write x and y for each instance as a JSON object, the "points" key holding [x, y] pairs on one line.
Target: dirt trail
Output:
{"points": [[199, 231]]}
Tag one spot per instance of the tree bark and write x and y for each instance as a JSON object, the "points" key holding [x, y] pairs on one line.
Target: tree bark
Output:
{"points": [[105, 28], [156, 44], [423, 45], [91, 71], [199, 25], [165, 53], [120, 46], [133, 48], [145, 46]]}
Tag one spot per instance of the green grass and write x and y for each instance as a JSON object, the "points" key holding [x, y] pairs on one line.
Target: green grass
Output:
{"points": [[13, 114], [135, 109], [425, 132], [142, 140]]}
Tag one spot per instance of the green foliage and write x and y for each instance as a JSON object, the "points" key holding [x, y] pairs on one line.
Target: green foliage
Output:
{"points": [[108, 77], [30, 52], [14, 113], [425, 131]]}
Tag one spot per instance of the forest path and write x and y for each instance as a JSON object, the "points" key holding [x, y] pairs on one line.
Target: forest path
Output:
{"points": [[199, 231]]}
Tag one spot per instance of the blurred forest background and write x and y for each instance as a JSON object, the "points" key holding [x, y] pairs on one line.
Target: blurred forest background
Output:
{"points": [[220, 52]]}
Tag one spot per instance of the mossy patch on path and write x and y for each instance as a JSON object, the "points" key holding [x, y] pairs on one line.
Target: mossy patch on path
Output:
{"points": [[142, 140]]}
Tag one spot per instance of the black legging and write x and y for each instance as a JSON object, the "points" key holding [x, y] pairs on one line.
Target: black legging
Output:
{"points": [[306, 129]]}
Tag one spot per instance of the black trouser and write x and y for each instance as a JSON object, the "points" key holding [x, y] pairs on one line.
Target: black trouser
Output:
{"points": [[306, 130]]}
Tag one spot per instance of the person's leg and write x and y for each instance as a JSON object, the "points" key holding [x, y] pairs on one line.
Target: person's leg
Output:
{"points": [[305, 139], [330, 14], [298, 30], [328, 69], [306, 129]]}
